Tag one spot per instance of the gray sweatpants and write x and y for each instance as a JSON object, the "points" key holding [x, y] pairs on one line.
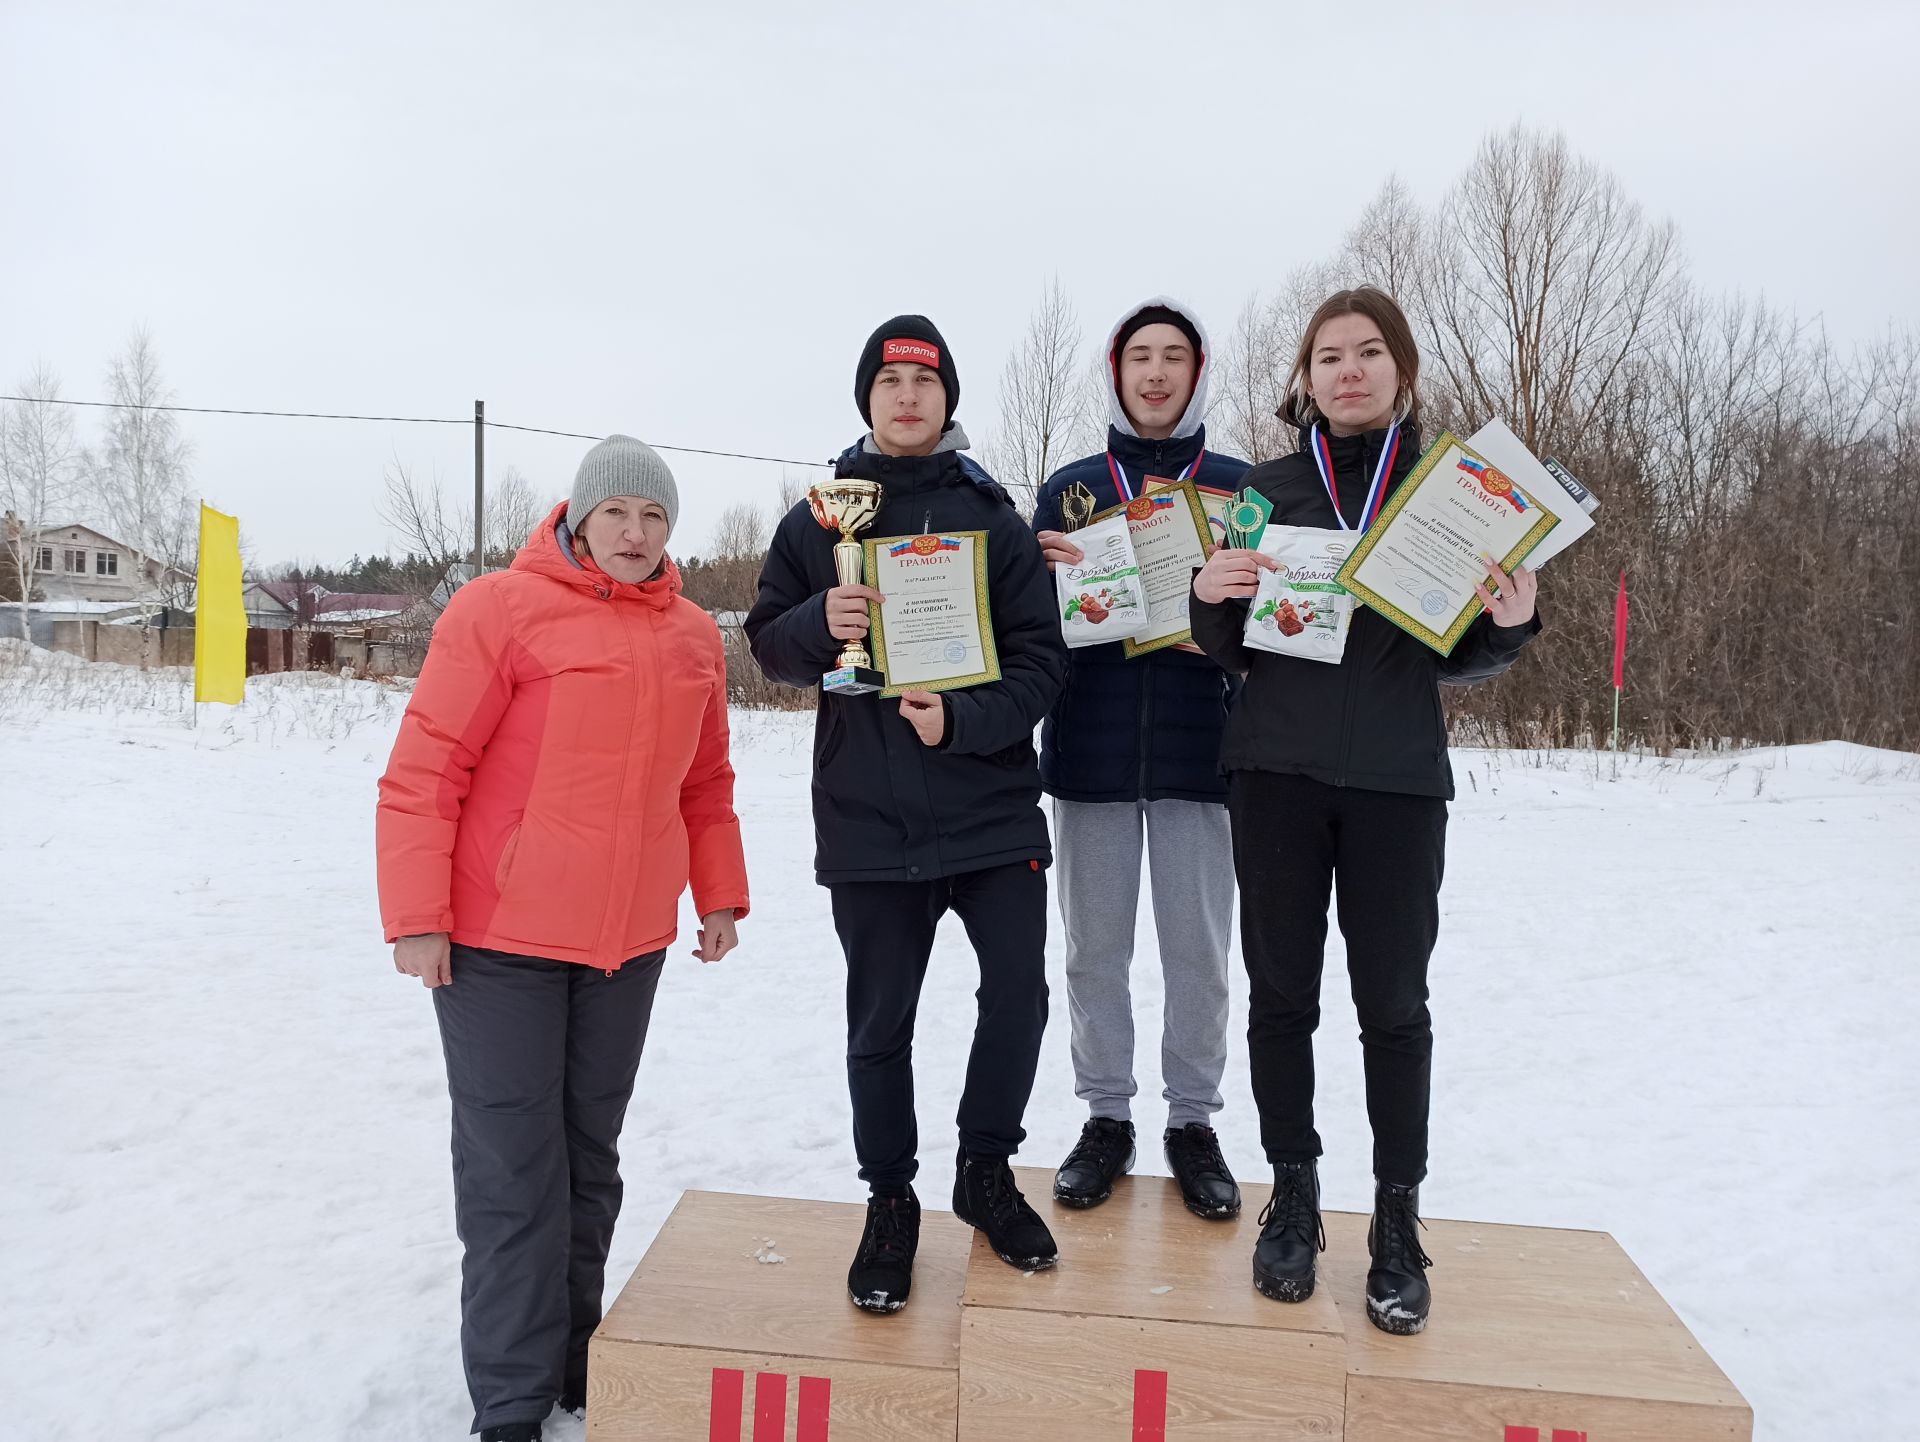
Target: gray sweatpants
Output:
{"points": [[541, 1057], [1097, 850]]}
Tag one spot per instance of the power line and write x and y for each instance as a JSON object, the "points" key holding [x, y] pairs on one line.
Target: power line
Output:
{"points": [[400, 420], [229, 411]]}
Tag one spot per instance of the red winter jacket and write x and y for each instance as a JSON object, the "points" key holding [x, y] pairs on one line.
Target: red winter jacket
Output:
{"points": [[561, 774]]}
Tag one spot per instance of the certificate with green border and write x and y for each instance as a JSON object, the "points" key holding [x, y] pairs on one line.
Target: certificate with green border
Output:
{"points": [[1171, 537], [935, 632], [1215, 503], [1419, 560]]}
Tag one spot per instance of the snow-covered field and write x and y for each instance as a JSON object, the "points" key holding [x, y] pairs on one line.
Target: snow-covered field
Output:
{"points": [[226, 1209]]}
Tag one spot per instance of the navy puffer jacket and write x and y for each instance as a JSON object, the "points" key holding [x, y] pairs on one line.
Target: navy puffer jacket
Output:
{"points": [[1148, 729]]}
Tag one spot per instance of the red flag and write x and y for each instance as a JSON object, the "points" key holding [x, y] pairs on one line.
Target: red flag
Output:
{"points": [[1620, 634]]}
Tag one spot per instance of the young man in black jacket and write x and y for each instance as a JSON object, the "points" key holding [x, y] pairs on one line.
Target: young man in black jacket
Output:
{"points": [[926, 805]]}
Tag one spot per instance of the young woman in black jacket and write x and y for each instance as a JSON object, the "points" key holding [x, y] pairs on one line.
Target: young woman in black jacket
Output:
{"points": [[1338, 782]]}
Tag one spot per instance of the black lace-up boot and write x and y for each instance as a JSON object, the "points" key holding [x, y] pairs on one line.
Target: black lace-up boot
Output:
{"points": [[882, 1272], [1102, 1156], [1291, 1236], [1206, 1186], [1398, 1298], [984, 1196]]}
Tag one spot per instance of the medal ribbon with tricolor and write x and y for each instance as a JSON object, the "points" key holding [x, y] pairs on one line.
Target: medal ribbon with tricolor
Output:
{"points": [[1376, 492], [1125, 487]]}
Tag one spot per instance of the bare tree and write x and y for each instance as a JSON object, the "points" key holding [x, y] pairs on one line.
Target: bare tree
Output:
{"points": [[139, 475], [37, 461], [793, 490], [440, 531], [513, 511], [1251, 382], [740, 534], [1387, 246], [1545, 283], [1252, 379], [416, 511], [1045, 415]]}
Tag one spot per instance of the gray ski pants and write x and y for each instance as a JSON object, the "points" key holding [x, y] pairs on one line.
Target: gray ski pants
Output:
{"points": [[541, 1057], [1097, 851]]}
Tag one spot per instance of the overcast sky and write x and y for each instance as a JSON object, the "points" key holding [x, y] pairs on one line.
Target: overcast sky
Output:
{"points": [[681, 222]]}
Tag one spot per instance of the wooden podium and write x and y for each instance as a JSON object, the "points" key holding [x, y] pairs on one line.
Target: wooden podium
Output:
{"points": [[1149, 1330], [715, 1340]]}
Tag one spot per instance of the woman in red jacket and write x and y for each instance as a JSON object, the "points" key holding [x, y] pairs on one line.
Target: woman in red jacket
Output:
{"points": [[560, 778]]}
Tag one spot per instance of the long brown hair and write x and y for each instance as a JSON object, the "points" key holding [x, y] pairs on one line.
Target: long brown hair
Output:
{"points": [[1298, 409]]}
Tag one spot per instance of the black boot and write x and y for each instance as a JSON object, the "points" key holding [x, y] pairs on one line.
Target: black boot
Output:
{"points": [[1398, 1298], [984, 1196], [1291, 1236], [511, 1432], [881, 1276], [573, 1398], [1206, 1186], [1102, 1156]]}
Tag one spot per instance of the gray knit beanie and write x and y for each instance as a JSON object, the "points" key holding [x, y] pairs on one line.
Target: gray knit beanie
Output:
{"points": [[622, 466]]}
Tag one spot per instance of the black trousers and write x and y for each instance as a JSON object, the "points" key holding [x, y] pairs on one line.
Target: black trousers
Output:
{"points": [[1381, 855], [886, 929], [541, 1057]]}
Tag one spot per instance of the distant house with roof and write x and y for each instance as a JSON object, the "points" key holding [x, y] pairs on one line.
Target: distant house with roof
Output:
{"points": [[364, 608], [279, 605], [76, 567]]}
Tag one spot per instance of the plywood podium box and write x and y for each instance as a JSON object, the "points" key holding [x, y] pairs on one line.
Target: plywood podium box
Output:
{"points": [[1149, 1327], [712, 1341], [1536, 1335]]}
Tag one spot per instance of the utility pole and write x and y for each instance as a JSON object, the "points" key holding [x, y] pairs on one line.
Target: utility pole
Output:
{"points": [[479, 486]]}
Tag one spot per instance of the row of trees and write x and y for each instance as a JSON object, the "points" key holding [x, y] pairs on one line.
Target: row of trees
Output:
{"points": [[1760, 487], [132, 479]]}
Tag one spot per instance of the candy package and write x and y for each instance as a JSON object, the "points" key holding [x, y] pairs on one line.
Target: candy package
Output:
{"points": [[1300, 610], [1101, 599]]}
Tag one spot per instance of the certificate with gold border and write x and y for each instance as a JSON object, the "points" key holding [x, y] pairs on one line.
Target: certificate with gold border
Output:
{"points": [[935, 632], [1419, 560], [1171, 539]]}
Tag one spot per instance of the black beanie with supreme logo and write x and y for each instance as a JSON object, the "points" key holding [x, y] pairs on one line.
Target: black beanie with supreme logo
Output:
{"points": [[905, 338]]}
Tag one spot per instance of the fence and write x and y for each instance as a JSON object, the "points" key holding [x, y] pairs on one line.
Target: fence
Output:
{"points": [[268, 652]]}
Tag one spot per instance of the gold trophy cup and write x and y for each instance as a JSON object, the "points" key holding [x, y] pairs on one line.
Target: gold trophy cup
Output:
{"points": [[848, 506]]}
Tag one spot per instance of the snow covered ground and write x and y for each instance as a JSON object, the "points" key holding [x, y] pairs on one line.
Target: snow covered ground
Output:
{"points": [[226, 1210]]}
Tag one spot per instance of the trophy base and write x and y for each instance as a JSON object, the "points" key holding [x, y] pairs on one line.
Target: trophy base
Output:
{"points": [[852, 681]]}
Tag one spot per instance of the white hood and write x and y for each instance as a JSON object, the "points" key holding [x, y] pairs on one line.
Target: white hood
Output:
{"points": [[1196, 411]]}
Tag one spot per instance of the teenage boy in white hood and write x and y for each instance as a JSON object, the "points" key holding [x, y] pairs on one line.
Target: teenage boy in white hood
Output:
{"points": [[1131, 752]]}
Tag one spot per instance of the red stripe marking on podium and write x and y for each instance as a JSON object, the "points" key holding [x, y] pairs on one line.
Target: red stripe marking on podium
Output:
{"points": [[1560, 1435], [770, 1407], [1523, 1434], [723, 1411], [816, 1400], [1149, 1407]]}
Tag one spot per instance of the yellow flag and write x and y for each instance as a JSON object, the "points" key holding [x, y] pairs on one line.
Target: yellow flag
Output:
{"points": [[220, 622]]}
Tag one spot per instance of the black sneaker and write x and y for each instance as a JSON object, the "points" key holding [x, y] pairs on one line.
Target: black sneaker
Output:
{"points": [[1102, 1156], [1398, 1298], [511, 1432], [1206, 1186], [1291, 1235], [984, 1196], [881, 1276]]}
